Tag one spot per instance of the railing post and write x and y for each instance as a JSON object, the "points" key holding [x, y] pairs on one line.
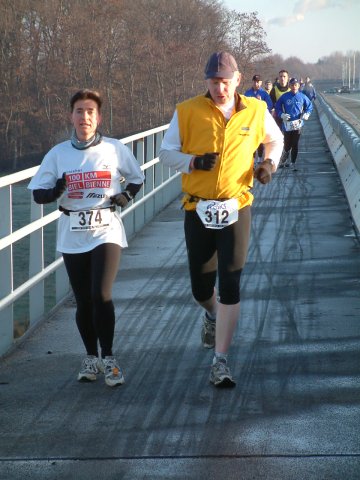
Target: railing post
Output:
{"points": [[139, 213], [62, 282], [36, 264], [6, 277], [158, 172], [149, 184]]}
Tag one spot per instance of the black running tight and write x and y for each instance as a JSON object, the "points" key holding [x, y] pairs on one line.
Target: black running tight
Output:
{"points": [[291, 142], [217, 252], [91, 276]]}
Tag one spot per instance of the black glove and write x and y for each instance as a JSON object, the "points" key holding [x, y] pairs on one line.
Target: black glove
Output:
{"points": [[60, 186], [206, 161], [121, 199]]}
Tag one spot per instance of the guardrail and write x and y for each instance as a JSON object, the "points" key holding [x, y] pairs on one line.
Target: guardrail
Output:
{"points": [[344, 131], [344, 144], [161, 186]]}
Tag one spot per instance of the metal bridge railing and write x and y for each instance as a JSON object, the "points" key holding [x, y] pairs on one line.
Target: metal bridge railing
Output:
{"points": [[344, 144], [161, 186]]}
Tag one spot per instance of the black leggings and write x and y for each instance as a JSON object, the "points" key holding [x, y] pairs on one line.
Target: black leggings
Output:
{"points": [[213, 251], [291, 142], [91, 276]]}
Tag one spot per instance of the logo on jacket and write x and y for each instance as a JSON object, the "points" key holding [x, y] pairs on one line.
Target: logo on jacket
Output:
{"points": [[77, 195]]}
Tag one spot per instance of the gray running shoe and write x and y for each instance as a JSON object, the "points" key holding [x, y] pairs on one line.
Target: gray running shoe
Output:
{"points": [[208, 332], [113, 373], [89, 369], [220, 375]]}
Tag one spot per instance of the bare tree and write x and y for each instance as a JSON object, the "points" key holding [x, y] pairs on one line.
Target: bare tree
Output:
{"points": [[11, 84], [246, 38], [144, 56]]}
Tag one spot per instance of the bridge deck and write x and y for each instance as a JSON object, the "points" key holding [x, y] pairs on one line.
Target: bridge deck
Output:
{"points": [[295, 412]]}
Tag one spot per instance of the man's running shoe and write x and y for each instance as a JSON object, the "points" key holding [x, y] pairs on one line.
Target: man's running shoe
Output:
{"points": [[208, 332], [113, 373], [89, 369], [220, 375]]}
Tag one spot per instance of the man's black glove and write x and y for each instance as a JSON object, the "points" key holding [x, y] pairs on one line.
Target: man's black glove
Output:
{"points": [[263, 172], [60, 186], [121, 199], [206, 161]]}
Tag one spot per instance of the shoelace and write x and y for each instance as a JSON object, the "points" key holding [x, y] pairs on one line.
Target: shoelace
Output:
{"points": [[90, 364], [112, 367], [221, 367]]}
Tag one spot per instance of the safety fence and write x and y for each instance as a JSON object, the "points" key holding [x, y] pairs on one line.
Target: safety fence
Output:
{"points": [[344, 144], [33, 279]]}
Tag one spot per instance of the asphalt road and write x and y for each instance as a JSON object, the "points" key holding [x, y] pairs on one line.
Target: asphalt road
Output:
{"points": [[347, 106], [295, 411]]}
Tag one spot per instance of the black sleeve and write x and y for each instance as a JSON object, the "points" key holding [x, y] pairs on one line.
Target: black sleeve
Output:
{"points": [[43, 195], [133, 188]]}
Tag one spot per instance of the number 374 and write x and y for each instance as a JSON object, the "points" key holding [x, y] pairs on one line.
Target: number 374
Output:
{"points": [[90, 217]]}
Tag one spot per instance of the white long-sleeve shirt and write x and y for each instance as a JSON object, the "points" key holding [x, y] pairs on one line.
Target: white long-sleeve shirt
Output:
{"points": [[92, 176]]}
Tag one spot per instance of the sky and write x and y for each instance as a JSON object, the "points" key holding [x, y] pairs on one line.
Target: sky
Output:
{"points": [[307, 29]]}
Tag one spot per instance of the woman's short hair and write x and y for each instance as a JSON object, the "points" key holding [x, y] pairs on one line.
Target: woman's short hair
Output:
{"points": [[86, 94]]}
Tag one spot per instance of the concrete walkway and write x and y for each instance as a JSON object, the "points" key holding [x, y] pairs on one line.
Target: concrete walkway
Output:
{"points": [[295, 412]]}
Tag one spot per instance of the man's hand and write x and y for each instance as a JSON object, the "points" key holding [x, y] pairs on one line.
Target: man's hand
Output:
{"points": [[206, 161], [285, 116], [121, 199], [263, 172], [306, 116], [60, 186]]}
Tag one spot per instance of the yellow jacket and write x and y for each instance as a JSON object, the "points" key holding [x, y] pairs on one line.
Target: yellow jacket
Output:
{"points": [[204, 129], [279, 92]]}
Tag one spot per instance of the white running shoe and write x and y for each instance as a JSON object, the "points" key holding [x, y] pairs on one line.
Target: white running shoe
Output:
{"points": [[220, 375], [113, 373], [89, 369]]}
